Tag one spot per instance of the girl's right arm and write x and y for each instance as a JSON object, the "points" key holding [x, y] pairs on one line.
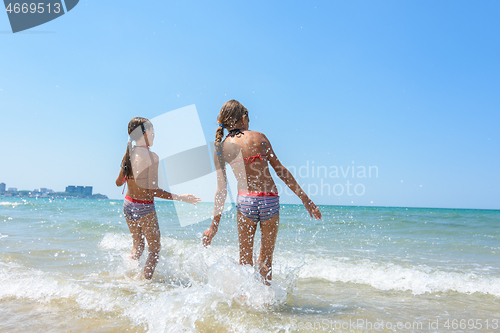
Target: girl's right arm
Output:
{"points": [[287, 177], [121, 178], [219, 200]]}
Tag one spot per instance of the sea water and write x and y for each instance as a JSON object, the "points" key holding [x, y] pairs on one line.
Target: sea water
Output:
{"points": [[65, 266]]}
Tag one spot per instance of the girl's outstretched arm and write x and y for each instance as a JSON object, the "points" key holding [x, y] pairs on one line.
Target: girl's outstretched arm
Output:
{"points": [[287, 177], [219, 200]]}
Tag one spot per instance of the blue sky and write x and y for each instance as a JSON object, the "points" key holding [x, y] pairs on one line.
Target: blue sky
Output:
{"points": [[410, 87]]}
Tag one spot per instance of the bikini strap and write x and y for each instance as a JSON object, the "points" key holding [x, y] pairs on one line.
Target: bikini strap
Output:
{"points": [[249, 159], [232, 133], [253, 158]]}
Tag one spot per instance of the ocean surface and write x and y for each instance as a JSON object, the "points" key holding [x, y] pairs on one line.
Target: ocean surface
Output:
{"points": [[65, 267]]}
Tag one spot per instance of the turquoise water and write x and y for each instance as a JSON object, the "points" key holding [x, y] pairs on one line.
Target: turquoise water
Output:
{"points": [[64, 266]]}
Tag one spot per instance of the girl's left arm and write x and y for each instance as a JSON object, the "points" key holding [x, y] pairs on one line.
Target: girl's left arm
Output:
{"points": [[286, 176]]}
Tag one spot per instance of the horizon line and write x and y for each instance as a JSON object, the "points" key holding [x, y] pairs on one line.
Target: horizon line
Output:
{"points": [[211, 202]]}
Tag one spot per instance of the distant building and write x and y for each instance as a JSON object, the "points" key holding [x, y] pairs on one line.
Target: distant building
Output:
{"points": [[43, 190], [2, 187], [87, 190], [12, 189], [82, 190]]}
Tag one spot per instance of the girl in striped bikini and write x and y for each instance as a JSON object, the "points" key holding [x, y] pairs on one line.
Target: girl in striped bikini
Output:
{"points": [[249, 154], [139, 170]]}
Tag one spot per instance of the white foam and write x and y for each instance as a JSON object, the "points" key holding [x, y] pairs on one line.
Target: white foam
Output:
{"points": [[198, 280], [227, 283], [418, 280], [243, 285], [190, 284], [7, 203], [116, 241], [18, 282]]}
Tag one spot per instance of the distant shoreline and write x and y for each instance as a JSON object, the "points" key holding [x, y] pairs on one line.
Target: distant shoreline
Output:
{"points": [[53, 195]]}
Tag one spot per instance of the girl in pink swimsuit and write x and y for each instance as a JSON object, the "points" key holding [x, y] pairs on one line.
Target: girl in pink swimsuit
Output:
{"points": [[139, 170], [249, 154]]}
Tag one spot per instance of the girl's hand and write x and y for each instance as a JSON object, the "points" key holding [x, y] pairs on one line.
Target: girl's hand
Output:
{"points": [[312, 209], [208, 235], [189, 198]]}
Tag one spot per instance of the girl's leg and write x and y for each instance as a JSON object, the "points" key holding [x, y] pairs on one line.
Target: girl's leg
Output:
{"points": [[137, 239], [151, 230], [246, 233], [269, 231]]}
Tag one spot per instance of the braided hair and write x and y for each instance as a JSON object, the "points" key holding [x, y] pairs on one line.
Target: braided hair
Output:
{"points": [[135, 134], [231, 112]]}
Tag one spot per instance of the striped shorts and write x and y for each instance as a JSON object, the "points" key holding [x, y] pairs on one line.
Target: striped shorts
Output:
{"points": [[135, 210], [258, 206]]}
